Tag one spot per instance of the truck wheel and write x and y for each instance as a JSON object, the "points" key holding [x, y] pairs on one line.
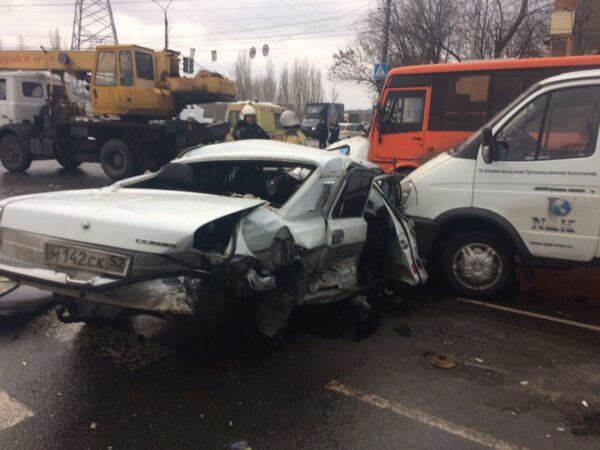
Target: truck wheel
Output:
{"points": [[477, 264], [14, 157], [68, 162], [117, 160]]}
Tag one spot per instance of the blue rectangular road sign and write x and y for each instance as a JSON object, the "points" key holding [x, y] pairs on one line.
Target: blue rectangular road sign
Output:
{"points": [[379, 71]]}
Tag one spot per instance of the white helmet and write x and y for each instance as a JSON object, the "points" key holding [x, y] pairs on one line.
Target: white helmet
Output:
{"points": [[248, 110], [288, 119]]}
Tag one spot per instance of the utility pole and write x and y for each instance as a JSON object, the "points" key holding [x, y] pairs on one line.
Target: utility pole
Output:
{"points": [[386, 31], [477, 36], [164, 8]]}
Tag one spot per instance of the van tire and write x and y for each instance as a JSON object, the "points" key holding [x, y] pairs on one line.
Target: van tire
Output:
{"points": [[117, 160], [487, 265], [14, 157]]}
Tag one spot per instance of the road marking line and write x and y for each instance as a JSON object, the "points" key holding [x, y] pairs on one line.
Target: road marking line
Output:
{"points": [[531, 314], [11, 411], [423, 417]]}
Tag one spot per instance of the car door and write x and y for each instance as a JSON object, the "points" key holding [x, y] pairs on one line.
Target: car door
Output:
{"points": [[346, 231], [545, 177], [402, 126], [404, 262]]}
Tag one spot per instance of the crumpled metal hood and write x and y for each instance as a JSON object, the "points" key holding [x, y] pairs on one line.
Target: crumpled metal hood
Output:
{"points": [[135, 219]]}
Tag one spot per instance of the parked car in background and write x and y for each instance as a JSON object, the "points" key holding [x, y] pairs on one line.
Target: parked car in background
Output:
{"points": [[228, 223], [526, 185], [348, 130], [267, 117]]}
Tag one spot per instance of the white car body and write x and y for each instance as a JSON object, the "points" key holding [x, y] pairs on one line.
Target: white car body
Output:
{"points": [[159, 243], [348, 130], [357, 147], [543, 206]]}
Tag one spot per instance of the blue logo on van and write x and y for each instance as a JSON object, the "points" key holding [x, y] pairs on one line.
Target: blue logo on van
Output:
{"points": [[559, 207]]}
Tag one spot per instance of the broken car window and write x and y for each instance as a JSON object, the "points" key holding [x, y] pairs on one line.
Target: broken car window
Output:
{"points": [[274, 182]]}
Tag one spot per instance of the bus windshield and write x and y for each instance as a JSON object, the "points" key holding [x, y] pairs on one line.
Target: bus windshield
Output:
{"points": [[468, 149]]}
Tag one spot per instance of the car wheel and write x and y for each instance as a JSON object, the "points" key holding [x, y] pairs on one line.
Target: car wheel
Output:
{"points": [[14, 157], [117, 159], [477, 264]]}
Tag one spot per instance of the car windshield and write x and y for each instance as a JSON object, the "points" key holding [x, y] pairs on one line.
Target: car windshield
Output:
{"points": [[274, 182]]}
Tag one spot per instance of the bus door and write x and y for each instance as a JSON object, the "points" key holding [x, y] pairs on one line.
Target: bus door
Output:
{"points": [[401, 125]]}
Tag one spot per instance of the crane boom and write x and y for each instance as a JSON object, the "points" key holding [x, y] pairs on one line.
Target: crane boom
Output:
{"points": [[76, 63], [127, 80]]}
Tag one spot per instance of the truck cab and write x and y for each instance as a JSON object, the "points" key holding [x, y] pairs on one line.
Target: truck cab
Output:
{"points": [[22, 95], [526, 185]]}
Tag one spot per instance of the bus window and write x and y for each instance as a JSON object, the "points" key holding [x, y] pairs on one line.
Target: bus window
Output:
{"points": [[461, 103], [403, 112]]}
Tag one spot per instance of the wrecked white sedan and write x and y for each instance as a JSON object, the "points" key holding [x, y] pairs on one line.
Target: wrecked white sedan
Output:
{"points": [[279, 223]]}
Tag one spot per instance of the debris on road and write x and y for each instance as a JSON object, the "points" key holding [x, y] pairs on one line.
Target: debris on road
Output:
{"points": [[403, 330], [441, 360], [585, 404], [524, 383]]}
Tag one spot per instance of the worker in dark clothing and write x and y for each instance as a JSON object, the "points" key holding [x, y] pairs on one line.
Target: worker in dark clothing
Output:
{"points": [[247, 128], [322, 133], [334, 132]]}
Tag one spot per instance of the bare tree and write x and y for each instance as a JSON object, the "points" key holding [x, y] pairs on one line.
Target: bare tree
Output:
{"points": [[265, 86], [334, 94], [283, 89], [54, 39], [435, 31], [20, 42], [243, 77]]}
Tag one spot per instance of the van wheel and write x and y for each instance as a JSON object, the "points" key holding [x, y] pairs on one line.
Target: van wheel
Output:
{"points": [[477, 264], [14, 157], [117, 159]]}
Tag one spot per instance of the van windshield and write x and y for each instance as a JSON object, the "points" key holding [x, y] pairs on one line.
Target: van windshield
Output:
{"points": [[468, 149]]}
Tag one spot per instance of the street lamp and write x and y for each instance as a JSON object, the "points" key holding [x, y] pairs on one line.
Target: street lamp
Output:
{"points": [[164, 8]]}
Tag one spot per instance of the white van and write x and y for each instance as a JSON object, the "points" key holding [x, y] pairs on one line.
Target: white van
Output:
{"points": [[526, 185]]}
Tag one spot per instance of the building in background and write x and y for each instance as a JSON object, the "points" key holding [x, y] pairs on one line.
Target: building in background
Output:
{"points": [[575, 28]]}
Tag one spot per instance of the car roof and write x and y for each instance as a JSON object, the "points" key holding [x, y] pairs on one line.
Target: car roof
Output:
{"points": [[260, 149], [572, 76]]}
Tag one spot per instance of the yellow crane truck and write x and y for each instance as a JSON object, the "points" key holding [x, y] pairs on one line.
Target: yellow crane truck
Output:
{"points": [[135, 93]]}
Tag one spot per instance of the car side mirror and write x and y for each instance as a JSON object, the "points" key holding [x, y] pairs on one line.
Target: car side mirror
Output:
{"points": [[487, 145]]}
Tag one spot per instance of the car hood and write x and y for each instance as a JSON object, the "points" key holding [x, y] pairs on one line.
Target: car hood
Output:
{"points": [[135, 219]]}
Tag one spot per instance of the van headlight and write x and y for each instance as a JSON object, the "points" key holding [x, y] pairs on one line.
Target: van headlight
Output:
{"points": [[406, 188]]}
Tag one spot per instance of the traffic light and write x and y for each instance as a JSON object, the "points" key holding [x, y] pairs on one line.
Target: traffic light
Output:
{"points": [[188, 65]]}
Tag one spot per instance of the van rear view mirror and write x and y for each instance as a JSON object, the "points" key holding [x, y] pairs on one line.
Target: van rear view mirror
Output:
{"points": [[487, 145]]}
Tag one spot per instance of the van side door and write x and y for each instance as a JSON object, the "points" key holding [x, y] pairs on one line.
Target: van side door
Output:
{"points": [[545, 179], [401, 128]]}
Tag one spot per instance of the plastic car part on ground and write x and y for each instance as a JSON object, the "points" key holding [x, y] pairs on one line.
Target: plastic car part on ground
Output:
{"points": [[16, 299]]}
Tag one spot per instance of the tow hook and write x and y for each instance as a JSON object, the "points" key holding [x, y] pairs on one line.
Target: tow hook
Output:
{"points": [[64, 316]]}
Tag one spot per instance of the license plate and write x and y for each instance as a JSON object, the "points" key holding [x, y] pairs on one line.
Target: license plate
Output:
{"points": [[87, 260]]}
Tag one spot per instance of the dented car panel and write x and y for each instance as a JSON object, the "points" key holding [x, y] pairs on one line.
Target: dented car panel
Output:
{"points": [[251, 218]]}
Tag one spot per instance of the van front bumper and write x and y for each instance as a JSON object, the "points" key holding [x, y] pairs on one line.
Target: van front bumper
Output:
{"points": [[426, 231]]}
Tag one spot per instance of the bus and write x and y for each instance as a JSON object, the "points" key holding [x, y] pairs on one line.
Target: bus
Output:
{"points": [[426, 110]]}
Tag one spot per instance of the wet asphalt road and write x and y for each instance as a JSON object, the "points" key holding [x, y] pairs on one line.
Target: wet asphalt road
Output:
{"points": [[518, 382]]}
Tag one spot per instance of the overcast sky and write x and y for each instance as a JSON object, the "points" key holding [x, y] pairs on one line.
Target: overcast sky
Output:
{"points": [[293, 29]]}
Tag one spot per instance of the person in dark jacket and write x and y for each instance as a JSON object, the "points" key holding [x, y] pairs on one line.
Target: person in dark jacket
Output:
{"points": [[247, 128], [334, 132], [322, 133]]}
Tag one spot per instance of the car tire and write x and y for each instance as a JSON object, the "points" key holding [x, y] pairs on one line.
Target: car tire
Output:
{"points": [[477, 264], [117, 159], [13, 155]]}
